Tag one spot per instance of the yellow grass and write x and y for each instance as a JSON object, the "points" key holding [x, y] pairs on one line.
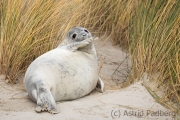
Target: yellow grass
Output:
{"points": [[30, 28], [155, 46]]}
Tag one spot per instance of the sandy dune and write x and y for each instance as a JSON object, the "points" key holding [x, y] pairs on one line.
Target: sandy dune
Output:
{"points": [[131, 103]]}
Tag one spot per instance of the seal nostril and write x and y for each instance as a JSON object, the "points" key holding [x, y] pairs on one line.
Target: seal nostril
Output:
{"points": [[86, 31]]}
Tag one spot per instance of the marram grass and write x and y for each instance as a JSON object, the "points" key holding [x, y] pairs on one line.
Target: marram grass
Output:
{"points": [[28, 29], [148, 29], [155, 45]]}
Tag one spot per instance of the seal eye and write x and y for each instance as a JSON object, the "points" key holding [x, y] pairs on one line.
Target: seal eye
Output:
{"points": [[74, 36], [86, 31]]}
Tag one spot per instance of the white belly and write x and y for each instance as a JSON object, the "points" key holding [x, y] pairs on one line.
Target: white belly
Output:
{"points": [[70, 75]]}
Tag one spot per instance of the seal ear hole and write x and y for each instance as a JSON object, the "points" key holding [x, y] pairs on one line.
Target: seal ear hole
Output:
{"points": [[74, 35], [86, 31]]}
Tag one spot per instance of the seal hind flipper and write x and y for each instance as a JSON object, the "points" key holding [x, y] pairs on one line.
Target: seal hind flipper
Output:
{"points": [[100, 85], [34, 95], [45, 100]]}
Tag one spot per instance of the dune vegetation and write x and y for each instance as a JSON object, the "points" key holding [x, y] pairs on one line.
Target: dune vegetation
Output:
{"points": [[149, 30]]}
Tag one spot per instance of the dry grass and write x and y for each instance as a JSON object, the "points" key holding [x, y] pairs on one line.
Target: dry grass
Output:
{"points": [[155, 45], [150, 30], [111, 18], [28, 29]]}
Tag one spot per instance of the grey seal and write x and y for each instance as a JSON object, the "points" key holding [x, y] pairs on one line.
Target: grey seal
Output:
{"points": [[67, 72]]}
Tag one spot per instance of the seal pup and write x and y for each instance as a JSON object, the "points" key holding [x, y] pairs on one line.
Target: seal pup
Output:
{"points": [[67, 72]]}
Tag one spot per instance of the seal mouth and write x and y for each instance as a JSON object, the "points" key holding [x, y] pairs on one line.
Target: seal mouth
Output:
{"points": [[83, 38]]}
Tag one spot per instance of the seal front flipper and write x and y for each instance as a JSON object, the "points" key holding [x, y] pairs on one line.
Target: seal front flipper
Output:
{"points": [[76, 45], [45, 100], [100, 85]]}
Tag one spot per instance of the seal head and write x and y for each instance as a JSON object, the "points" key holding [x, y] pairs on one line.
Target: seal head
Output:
{"points": [[76, 34]]}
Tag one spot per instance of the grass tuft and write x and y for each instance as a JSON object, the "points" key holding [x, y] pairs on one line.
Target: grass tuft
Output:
{"points": [[28, 29], [155, 45]]}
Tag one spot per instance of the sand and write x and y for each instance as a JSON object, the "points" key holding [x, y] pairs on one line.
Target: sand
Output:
{"points": [[130, 103]]}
